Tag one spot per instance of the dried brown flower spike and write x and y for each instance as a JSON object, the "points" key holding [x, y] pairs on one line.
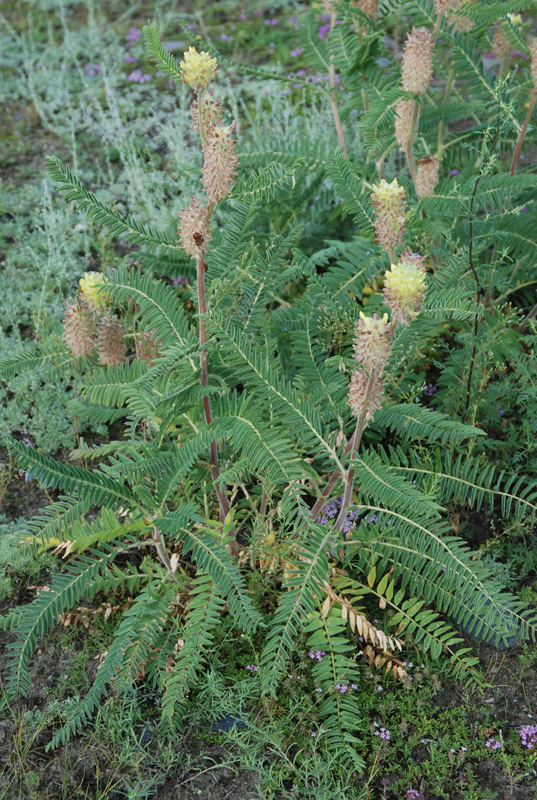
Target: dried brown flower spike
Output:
{"points": [[78, 329], [501, 46], [194, 228], [148, 347], [111, 340], [372, 342], [445, 6], [389, 203], [417, 68], [369, 7], [533, 53], [211, 111], [364, 394], [427, 176], [219, 162], [404, 116]]}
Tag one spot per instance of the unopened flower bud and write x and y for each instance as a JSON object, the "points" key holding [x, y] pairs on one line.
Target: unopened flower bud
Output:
{"points": [[417, 68], [404, 117], [78, 329], [90, 287], [404, 287], [197, 69], [219, 162], [111, 340], [427, 176], [365, 393], [372, 342], [389, 203], [194, 229]]}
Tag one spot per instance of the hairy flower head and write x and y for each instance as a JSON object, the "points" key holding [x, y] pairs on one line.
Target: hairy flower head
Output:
{"points": [[443, 6], [90, 286], [194, 228], [372, 342], [78, 329], [501, 46], [369, 7], [219, 162], [111, 340], [404, 287], [427, 176], [461, 22], [417, 67], [389, 204], [197, 69], [210, 111], [365, 393], [404, 117], [533, 51]]}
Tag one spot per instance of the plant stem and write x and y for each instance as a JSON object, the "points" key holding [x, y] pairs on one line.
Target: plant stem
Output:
{"points": [[522, 134], [333, 101], [410, 142], [354, 446], [449, 86], [474, 271], [202, 311]]}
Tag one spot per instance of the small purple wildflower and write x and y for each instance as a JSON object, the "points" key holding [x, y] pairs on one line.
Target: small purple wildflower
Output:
{"points": [[129, 60], [501, 412], [91, 69], [243, 17], [252, 667], [323, 31], [528, 736], [384, 733], [297, 52], [181, 280], [412, 794], [257, 13], [493, 743], [225, 38], [133, 35], [454, 172], [271, 22], [137, 76], [430, 389]]}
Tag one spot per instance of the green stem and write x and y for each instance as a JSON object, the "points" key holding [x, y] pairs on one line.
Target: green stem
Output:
{"points": [[333, 101]]}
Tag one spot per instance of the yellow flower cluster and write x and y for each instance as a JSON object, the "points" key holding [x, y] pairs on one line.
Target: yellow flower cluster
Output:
{"points": [[197, 69], [90, 287], [404, 287]]}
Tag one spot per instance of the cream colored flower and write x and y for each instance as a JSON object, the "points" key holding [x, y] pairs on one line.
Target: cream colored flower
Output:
{"points": [[389, 204], [90, 286], [197, 69], [404, 287]]}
